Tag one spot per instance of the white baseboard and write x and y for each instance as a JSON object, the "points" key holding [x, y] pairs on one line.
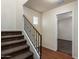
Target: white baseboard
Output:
{"points": [[76, 58]]}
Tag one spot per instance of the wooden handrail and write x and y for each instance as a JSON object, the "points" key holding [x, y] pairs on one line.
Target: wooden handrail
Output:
{"points": [[31, 24]]}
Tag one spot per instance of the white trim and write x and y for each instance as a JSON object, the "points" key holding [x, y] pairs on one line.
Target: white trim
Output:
{"points": [[32, 48], [76, 58]]}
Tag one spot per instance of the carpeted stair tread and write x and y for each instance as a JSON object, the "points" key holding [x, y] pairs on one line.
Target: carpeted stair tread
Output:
{"points": [[10, 36], [12, 42], [12, 50], [23, 55]]}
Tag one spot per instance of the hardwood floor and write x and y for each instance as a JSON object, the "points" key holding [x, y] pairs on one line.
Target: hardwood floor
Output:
{"points": [[48, 54]]}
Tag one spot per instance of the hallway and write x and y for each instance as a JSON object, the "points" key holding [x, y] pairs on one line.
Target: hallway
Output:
{"points": [[48, 54]]}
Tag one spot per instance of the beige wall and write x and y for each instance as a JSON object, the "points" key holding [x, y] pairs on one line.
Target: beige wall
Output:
{"points": [[29, 13], [50, 27]]}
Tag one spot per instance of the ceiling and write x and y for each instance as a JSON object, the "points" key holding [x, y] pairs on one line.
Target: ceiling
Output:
{"points": [[45, 5]]}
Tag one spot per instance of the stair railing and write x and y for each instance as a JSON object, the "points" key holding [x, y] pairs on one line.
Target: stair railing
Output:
{"points": [[34, 35]]}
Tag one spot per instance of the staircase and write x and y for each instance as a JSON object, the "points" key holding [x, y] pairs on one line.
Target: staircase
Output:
{"points": [[14, 46]]}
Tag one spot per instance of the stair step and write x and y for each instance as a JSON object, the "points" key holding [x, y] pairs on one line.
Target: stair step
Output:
{"points": [[5, 57], [23, 55], [11, 37], [3, 33], [13, 50], [13, 45], [12, 42]]}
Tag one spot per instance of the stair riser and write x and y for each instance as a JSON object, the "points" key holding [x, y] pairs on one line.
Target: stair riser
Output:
{"points": [[4, 58], [13, 45], [4, 33], [11, 38]]}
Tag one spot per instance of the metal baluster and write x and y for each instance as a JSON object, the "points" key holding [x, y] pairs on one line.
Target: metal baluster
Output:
{"points": [[36, 39], [40, 46], [38, 43]]}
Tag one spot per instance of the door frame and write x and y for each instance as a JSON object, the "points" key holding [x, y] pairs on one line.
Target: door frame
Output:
{"points": [[72, 30]]}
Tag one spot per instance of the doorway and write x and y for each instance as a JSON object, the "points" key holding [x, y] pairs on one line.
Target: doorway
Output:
{"points": [[65, 33]]}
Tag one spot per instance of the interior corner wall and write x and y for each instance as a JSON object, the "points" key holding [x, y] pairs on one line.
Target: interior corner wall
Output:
{"points": [[19, 15], [29, 13], [49, 24]]}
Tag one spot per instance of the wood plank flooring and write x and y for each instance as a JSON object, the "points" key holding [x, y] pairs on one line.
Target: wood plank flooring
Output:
{"points": [[49, 54]]}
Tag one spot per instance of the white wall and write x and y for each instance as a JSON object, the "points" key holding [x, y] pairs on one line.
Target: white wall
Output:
{"points": [[50, 27], [65, 29], [29, 13], [19, 14], [8, 14], [11, 14]]}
